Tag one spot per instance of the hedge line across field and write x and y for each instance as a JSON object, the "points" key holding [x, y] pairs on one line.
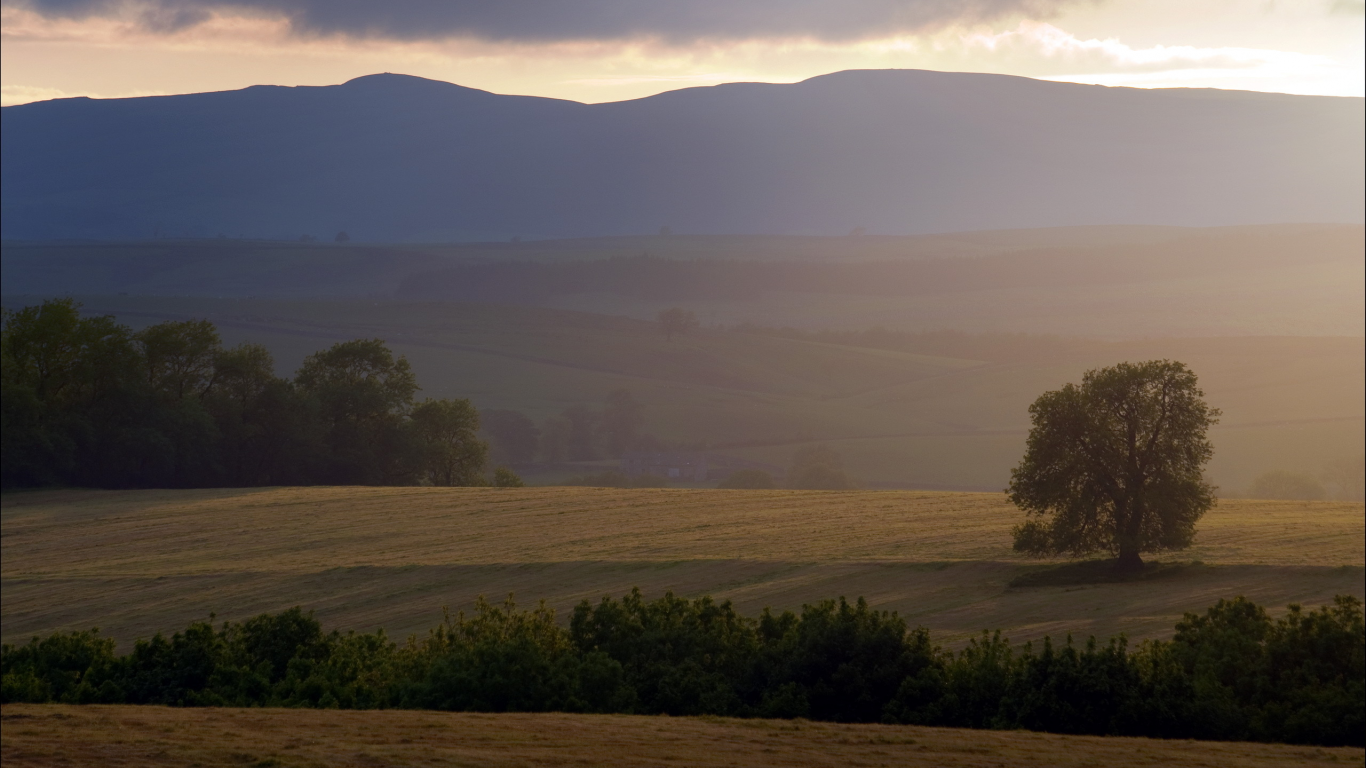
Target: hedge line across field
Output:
{"points": [[1233, 673]]}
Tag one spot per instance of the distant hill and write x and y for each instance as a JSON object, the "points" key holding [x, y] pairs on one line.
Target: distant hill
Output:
{"points": [[397, 158], [1116, 282]]}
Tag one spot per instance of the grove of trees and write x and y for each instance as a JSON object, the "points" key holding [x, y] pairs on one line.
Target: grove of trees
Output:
{"points": [[89, 402], [1231, 673], [579, 433]]}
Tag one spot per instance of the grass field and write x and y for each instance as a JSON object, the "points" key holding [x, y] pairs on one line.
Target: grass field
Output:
{"points": [[44, 735], [136, 562], [901, 420]]}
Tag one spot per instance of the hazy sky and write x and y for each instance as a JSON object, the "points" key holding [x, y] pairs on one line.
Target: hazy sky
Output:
{"points": [[607, 50]]}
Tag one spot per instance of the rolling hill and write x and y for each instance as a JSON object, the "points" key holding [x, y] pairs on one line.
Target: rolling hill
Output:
{"points": [[396, 158], [942, 419], [138, 562]]}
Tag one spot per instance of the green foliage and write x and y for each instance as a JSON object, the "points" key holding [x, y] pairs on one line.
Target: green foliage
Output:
{"points": [[59, 667], [506, 478], [1232, 673], [498, 660], [447, 438], [364, 393], [1115, 464], [89, 403], [748, 478], [180, 357]]}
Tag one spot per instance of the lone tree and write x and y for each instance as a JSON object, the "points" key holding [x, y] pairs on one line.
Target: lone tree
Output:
{"points": [[676, 320], [1115, 464]]}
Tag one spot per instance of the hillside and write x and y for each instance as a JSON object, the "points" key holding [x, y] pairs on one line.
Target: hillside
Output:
{"points": [[136, 562], [1113, 282], [942, 419], [396, 158], [37, 735], [291, 268]]}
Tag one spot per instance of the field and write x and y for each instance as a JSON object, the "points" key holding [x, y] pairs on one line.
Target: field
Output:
{"points": [[138, 562], [35, 735], [901, 420]]}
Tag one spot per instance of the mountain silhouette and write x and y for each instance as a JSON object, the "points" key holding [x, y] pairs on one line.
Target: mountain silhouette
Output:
{"points": [[399, 158]]}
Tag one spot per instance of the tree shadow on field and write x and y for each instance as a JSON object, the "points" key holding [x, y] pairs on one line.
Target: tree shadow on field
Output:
{"points": [[1102, 572]]}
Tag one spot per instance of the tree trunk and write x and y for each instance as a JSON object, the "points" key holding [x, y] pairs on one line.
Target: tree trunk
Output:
{"points": [[1129, 560]]}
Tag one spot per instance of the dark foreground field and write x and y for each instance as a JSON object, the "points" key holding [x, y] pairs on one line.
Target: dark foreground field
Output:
{"points": [[45, 735]]}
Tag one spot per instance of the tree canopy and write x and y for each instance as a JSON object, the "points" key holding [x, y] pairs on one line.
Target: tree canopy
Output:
{"points": [[1115, 464], [88, 402]]}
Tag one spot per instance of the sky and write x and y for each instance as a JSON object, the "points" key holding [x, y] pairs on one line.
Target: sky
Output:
{"points": [[610, 50]]}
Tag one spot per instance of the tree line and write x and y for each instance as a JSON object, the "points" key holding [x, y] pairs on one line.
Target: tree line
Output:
{"points": [[89, 402], [578, 433], [1231, 673]]}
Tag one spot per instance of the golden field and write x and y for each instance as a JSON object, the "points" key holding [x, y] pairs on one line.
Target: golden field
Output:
{"points": [[137, 562], [43, 735]]}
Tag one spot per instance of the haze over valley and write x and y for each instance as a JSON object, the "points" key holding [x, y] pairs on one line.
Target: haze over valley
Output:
{"points": [[869, 402]]}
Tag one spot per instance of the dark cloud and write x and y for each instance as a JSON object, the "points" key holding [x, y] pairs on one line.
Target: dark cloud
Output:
{"points": [[554, 20]]}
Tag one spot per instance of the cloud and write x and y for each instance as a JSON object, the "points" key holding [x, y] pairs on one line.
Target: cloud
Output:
{"points": [[1061, 50], [11, 95], [23, 94], [669, 21]]}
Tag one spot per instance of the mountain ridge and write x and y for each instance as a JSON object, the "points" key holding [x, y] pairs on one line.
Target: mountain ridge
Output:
{"points": [[391, 157]]}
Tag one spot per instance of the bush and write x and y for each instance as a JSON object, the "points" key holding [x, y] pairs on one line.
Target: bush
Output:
{"points": [[1232, 673]]}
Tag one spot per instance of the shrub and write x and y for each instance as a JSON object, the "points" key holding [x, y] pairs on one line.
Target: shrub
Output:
{"points": [[1231, 673]]}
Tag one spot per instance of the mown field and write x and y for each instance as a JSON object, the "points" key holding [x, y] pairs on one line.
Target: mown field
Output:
{"points": [[137, 562], [900, 419], [44, 735]]}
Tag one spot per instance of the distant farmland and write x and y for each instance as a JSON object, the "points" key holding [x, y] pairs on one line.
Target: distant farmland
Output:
{"points": [[136, 562], [949, 419]]}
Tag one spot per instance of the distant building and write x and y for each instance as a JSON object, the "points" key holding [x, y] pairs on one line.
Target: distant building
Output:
{"points": [[688, 465]]}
